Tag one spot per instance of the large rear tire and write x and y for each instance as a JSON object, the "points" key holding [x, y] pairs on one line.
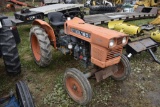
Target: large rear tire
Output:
{"points": [[77, 86], [124, 69], [24, 95], [40, 45], [9, 51]]}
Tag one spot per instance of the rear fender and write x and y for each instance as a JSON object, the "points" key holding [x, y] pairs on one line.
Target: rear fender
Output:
{"points": [[49, 30]]}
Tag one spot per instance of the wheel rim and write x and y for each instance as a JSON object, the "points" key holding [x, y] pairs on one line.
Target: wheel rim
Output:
{"points": [[74, 88], [35, 47], [121, 70]]}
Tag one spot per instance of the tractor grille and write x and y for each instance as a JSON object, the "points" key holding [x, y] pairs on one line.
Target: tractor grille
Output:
{"points": [[119, 41], [114, 53]]}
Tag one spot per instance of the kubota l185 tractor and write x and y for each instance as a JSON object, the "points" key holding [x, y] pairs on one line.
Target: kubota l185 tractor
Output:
{"points": [[91, 44]]}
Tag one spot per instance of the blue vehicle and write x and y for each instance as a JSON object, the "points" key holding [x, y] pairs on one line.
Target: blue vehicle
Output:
{"points": [[22, 98]]}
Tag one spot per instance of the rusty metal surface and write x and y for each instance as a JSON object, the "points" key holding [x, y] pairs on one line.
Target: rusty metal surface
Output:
{"points": [[19, 3], [55, 8], [137, 46], [142, 45], [105, 18], [104, 73], [152, 10], [148, 42]]}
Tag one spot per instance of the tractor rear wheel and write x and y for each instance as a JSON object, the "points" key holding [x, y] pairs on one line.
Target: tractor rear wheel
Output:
{"points": [[124, 69], [40, 45], [9, 51], [24, 95], [77, 86]]}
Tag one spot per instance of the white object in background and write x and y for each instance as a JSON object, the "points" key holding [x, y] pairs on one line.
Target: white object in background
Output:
{"points": [[107, 2], [0, 25], [129, 55]]}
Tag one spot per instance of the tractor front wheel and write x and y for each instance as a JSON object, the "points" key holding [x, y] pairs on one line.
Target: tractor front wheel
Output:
{"points": [[40, 45], [77, 86], [124, 69]]}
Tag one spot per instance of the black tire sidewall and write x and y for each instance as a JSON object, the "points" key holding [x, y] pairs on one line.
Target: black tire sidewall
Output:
{"points": [[9, 51], [23, 94], [127, 69], [45, 50]]}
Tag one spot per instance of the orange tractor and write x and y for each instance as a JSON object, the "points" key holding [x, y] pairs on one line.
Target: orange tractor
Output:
{"points": [[89, 43]]}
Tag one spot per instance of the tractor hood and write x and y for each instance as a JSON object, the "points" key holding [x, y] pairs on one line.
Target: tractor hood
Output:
{"points": [[91, 33]]}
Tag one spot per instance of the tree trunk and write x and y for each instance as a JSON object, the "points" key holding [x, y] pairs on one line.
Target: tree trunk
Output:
{"points": [[32, 1]]}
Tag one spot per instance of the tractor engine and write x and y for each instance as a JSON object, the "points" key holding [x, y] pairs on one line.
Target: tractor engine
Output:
{"points": [[72, 45], [82, 52]]}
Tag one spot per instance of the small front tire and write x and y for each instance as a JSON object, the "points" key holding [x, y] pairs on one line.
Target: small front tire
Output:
{"points": [[77, 86], [124, 69]]}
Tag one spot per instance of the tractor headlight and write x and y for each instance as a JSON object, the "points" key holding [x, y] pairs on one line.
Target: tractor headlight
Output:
{"points": [[124, 40], [0, 24], [111, 43], [68, 18]]}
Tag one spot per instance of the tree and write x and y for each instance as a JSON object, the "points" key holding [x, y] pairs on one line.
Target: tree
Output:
{"points": [[32, 1]]}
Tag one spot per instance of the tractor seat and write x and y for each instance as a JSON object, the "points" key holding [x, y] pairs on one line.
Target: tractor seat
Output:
{"points": [[56, 18]]}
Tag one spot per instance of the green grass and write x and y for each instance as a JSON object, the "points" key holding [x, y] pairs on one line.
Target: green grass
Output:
{"points": [[140, 22], [46, 84]]}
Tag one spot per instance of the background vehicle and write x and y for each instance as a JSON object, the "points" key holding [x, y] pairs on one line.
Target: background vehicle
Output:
{"points": [[107, 6], [24, 97], [89, 43], [9, 37]]}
